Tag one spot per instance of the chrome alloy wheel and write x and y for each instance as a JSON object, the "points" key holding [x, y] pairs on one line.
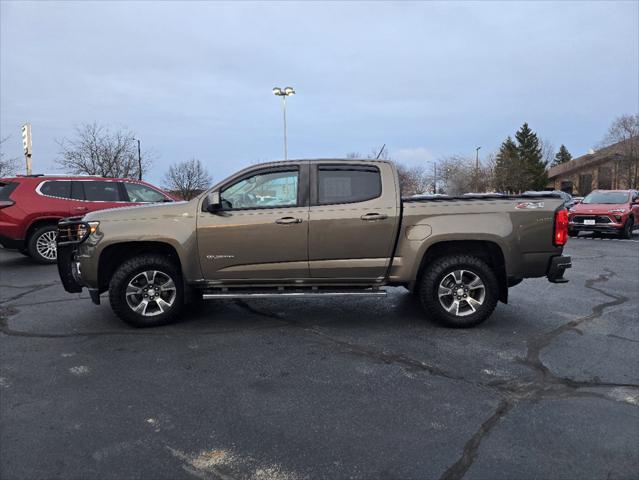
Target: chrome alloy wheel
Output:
{"points": [[46, 246], [151, 293], [461, 292]]}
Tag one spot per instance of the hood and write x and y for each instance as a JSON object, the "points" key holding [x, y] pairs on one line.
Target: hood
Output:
{"points": [[597, 208], [144, 212]]}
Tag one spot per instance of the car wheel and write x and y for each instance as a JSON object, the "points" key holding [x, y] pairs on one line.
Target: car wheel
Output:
{"points": [[572, 233], [41, 244], [626, 232], [459, 291], [147, 291]]}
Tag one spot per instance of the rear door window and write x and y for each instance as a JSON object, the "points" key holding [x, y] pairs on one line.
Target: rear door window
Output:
{"points": [[77, 192], [348, 185], [56, 188], [96, 191]]}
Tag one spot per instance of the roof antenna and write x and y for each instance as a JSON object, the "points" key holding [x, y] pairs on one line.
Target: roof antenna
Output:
{"points": [[380, 152]]}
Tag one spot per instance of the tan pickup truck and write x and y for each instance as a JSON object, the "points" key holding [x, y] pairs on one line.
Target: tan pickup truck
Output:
{"points": [[314, 228]]}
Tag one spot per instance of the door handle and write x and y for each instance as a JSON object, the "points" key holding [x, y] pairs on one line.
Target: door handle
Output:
{"points": [[80, 208], [288, 220], [371, 217]]}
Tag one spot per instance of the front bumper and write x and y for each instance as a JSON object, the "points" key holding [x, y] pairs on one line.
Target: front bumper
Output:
{"points": [[557, 267], [598, 227], [68, 269], [68, 240]]}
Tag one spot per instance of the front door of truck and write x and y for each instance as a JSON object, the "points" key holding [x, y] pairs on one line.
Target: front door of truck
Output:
{"points": [[262, 231], [353, 220]]}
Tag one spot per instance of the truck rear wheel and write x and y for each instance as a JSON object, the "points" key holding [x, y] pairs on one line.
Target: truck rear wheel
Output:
{"points": [[146, 291], [459, 291]]}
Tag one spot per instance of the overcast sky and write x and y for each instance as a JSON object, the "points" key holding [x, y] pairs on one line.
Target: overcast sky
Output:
{"points": [[428, 79]]}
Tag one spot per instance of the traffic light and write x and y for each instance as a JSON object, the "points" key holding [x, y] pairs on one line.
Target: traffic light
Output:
{"points": [[26, 138]]}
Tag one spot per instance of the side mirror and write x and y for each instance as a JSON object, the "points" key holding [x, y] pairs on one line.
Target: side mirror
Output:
{"points": [[213, 202]]}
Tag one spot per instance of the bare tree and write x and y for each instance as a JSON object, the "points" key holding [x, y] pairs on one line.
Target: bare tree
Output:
{"points": [[95, 150], [459, 175], [547, 151], [8, 165], [624, 131], [413, 180], [187, 179]]}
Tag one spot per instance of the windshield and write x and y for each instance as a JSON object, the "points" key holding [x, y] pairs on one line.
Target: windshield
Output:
{"points": [[606, 197]]}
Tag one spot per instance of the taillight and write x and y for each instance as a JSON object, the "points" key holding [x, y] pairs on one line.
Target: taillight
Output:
{"points": [[560, 236]]}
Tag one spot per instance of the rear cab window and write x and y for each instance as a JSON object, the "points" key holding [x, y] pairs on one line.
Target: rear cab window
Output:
{"points": [[347, 184]]}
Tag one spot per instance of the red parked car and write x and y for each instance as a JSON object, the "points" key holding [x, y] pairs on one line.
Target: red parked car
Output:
{"points": [[30, 206], [611, 211]]}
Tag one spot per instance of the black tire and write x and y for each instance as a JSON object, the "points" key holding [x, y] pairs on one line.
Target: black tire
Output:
{"points": [[626, 232], [36, 241], [572, 233], [441, 270], [157, 314]]}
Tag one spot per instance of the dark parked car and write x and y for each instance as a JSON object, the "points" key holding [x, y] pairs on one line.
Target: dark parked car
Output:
{"points": [[30, 206]]}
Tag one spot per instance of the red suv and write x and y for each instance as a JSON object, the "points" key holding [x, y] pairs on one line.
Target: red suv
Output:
{"points": [[612, 211], [30, 206]]}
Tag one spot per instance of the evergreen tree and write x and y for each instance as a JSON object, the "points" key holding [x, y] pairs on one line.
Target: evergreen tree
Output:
{"points": [[563, 156], [507, 167], [533, 166]]}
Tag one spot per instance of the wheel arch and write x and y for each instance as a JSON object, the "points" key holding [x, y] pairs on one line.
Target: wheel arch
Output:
{"points": [[114, 255], [488, 251], [39, 222]]}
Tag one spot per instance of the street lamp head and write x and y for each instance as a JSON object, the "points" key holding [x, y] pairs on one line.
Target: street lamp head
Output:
{"points": [[277, 91], [289, 91]]}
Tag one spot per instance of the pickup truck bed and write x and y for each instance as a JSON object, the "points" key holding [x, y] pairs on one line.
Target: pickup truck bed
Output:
{"points": [[315, 227]]}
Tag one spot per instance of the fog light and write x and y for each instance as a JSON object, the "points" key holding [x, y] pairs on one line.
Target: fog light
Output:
{"points": [[618, 217]]}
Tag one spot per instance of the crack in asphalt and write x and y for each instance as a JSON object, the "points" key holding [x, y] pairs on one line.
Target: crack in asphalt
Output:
{"points": [[32, 289], [619, 337], [546, 385], [471, 449]]}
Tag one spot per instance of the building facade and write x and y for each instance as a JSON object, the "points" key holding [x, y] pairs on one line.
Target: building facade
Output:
{"points": [[610, 168]]}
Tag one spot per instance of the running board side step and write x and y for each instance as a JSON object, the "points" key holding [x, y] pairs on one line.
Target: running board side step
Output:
{"points": [[309, 294]]}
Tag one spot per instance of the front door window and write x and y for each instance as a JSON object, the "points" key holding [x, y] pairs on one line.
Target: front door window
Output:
{"points": [[264, 190]]}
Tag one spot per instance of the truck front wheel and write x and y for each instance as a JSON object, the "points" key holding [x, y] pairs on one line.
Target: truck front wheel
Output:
{"points": [[146, 291], [459, 291]]}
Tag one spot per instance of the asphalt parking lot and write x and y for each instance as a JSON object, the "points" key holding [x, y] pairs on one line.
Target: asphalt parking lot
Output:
{"points": [[364, 389]]}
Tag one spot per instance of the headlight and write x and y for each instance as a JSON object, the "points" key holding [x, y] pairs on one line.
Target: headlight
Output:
{"points": [[617, 210], [82, 229]]}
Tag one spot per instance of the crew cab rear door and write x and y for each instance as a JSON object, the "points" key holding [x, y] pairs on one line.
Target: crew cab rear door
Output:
{"points": [[354, 218], [262, 231]]}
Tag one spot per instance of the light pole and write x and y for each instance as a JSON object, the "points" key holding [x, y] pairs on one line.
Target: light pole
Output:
{"points": [[284, 92], [139, 161], [477, 168]]}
